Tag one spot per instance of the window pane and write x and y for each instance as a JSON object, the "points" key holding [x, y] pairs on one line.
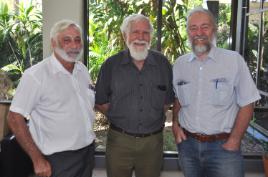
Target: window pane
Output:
{"points": [[251, 48], [265, 4], [20, 41], [263, 78], [224, 24], [254, 5]]}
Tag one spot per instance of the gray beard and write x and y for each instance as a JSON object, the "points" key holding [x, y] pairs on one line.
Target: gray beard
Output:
{"points": [[197, 49]]}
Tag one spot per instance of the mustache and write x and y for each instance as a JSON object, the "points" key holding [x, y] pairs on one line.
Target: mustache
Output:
{"points": [[73, 51], [140, 42], [200, 37]]}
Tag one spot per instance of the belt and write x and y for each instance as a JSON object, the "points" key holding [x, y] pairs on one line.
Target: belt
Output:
{"points": [[136, 135], [207, 138]]}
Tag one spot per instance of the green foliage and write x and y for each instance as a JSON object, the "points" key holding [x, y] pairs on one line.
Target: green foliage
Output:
{"points": [[100, 48], [224, 22], [105, 19], [169, 141], [106, 16], [20, 39]]}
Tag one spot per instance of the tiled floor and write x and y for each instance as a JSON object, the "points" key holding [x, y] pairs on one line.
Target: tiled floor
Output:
{"points": [[102, 173]]}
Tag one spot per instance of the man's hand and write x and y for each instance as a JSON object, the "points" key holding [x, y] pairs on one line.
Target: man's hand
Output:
{"points": [[178, 133], [42, 167], [243, 118], [232, 145]]}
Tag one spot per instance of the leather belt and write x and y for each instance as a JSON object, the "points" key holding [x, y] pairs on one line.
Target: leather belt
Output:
{"points": [[136, 135], [207, 138]]}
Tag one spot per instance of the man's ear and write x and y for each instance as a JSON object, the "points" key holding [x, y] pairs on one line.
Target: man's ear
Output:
{"points": [[125, 36], [53, 43]]}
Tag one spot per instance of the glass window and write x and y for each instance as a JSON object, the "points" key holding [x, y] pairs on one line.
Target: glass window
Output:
{"points": [[256, 52], [224, 23], [105, 39], [251, 48], [20, 37], [254, 5], [263, 79], [265, 4]]}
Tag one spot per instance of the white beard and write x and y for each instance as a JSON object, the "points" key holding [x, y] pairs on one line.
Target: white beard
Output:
{"points": [[137, 53], [73, 57]]}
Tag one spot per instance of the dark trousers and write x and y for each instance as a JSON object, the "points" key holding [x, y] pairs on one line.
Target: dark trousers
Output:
{"points": [[77, 163]]}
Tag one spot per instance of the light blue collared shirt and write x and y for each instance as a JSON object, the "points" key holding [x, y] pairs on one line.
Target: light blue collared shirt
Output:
{"points": [[212, 91]]}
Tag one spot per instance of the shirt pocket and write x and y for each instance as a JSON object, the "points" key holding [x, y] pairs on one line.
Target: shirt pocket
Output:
{"points": [[158, 96], [222, 94], [184, 94]]}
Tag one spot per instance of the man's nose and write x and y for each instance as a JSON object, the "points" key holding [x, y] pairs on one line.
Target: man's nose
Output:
{"points": [[140, 36], [199, 31], [75, 44]]}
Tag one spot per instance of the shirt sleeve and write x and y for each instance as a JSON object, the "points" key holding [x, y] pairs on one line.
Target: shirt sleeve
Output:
{"points": [[103, 90], [246, 90], [26, 96]]}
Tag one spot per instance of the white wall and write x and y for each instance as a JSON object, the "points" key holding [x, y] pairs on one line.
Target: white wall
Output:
{"points": [[55, 10]]}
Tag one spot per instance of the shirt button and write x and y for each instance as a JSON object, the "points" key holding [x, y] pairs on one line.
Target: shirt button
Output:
{"points": [[141, 110], [140, 84], [141, 97], [201, 68]]}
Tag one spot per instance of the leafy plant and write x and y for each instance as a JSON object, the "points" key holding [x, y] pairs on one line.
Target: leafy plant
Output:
{"points": [[106, 17], [100, 47], [20, 39]]}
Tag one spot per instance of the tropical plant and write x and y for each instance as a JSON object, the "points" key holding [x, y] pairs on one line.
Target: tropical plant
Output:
{"points": [[20, 39], [100, 48], [224, 22], [106, 17]]}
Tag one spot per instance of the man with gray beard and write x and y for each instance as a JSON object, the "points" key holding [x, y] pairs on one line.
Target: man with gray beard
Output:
{"points": [[134, 89], [214, 103], [56, 96]]}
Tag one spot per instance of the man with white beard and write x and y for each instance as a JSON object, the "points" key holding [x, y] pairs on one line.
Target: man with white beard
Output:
{"points": [[214, 103], [134, 89], [56, 96]]}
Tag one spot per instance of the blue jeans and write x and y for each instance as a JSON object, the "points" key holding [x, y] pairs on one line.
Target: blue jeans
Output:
{"points": [[209, 159]]}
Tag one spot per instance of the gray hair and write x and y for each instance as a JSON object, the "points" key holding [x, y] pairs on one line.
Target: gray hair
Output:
{"points": [[61, 26], [125, 27], [204, 11]]}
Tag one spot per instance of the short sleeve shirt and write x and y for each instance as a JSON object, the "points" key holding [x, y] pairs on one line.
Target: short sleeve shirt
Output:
{"points": [[136, 97], [59, 105], [212, 91]]}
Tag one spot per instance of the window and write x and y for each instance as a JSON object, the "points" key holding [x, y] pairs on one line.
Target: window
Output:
{"points": [[169, 21], [254, 49], [20, 37]]}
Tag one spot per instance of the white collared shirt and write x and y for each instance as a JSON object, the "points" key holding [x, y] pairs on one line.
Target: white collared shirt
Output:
{"points": [[60, 105], [212, 91]]}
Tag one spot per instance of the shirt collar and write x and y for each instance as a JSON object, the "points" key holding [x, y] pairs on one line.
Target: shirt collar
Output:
{"points": [[57, 67], [128, 59], [211, 55]]}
